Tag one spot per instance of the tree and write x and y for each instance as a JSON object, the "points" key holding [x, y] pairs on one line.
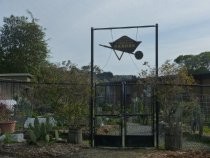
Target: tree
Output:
{"points": [[63, 90], [195, 63], [96, 69], [23, 48], [174, 95]]}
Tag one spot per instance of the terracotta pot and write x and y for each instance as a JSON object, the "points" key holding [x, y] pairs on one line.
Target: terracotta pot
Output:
{"points": [[7, 126]]}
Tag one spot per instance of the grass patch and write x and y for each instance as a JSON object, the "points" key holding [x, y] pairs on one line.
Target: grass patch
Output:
{"points": [[197, 138], [206, 130]]}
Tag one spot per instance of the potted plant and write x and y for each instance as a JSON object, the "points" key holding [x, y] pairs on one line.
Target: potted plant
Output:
{"points": [[7, 125], [73, 114]]}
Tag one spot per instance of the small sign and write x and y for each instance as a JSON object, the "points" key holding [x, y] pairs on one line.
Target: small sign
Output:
{"points": [[125, 44]]}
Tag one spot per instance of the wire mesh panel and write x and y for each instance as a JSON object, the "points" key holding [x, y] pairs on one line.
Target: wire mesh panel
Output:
{"points": [[107, 112], [184, 117], [123, 112], [139, 116], [9, 92], [67, 103], [124, 115]]}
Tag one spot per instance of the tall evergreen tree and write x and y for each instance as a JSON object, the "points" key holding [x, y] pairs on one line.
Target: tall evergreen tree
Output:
{"points": [[23, 47], [195, 63]]}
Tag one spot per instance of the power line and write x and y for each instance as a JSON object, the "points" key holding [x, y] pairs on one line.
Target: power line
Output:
{"points": [[137, 32], [134, 63], [108, 59]]}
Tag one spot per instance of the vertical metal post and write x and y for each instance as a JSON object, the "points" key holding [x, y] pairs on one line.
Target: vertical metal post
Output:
{"points": [[156, 102], [156, 49], [123, 115], [153, 113], [91, 90]]}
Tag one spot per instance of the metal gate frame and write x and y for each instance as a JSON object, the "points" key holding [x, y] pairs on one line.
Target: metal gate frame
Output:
{"points": [[123, 139], [92, 83]]}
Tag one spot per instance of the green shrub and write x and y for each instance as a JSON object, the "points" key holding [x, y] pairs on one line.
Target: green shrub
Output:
{"points": [[40, 132]]}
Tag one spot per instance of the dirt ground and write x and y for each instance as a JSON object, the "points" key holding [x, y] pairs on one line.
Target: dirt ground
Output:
{"points": [[72, 151], [137, 153]]}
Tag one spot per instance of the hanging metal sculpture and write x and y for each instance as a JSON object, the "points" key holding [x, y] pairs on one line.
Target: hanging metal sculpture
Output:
{"points": [[125, 44]]}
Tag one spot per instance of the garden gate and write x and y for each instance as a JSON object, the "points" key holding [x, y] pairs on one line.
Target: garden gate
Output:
{"points": [[123, 115]]}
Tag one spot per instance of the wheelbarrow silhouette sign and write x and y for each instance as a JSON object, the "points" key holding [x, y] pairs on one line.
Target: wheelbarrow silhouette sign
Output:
{"points": [[125, 44]]}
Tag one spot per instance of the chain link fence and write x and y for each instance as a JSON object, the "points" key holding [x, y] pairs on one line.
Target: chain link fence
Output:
{"points": [[66, 104], [185, 116], [187, 111]]}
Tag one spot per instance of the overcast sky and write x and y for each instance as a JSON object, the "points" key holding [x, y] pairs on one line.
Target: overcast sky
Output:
{"points": [[184, 28]]}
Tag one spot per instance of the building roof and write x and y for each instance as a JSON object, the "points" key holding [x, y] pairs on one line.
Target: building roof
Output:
{"points": [[23, 77], [16, 75]]}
